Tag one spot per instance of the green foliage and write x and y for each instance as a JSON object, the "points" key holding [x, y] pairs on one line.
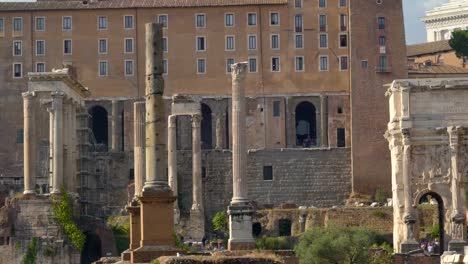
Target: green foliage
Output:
{"points": [[50, 251], [122, 237], [155, 262], [335, 244], [274, 243], [381, 254], [380, 195], [63, 213], [220, 221], [459, 42], [379, 214], [180, 245], [435, 231], [31, 252]]}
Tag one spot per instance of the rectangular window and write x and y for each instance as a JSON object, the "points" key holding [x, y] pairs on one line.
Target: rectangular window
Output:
{"points": [[276, 108], [229, 63], [164, 20], [267, 173], [128, 22], [342, 3], [165, 69], [364, 64], [299, 64], [274, 19], [252, 19], [128, 45], [67, 46], [102, 68], [200, 20], [343, 63], [128, 67], [323, 63], [201, 44], [298, 23], [275, 64], [2, 25], [17, 24], [40, 47], [102, 49], [201, 66], [382, 41], [275, 41], [17, 70], [323, 41], [299, 41], [40, 23], [340, 138], [102, 22], [343, 22], [230, 43], [343, 40], [164, 44], [229, 20], [20, 136], [40, 67], [17, 48], [383, 64], [252, 42], [298, 3], [67, 23], [322, 3], [381, 22], [252, 64], [323, 23]]}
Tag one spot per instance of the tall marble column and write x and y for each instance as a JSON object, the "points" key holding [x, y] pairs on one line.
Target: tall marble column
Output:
{"points": [[51, 146], [156, 200], [115, 140], [57, 159], [29, 143], [139, 145], [240, 210], [172, 160], [324, 121], [197, 216], [409, 219], [219, 118], [458, 206]]}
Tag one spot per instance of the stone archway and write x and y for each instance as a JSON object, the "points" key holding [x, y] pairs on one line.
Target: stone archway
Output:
{"points": [[206, 127], [306, 129], [429, 197], [99, 125], [427, 139]]}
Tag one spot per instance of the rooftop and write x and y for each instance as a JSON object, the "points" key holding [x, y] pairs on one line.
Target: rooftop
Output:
{"points": [[428, 48], [114, 4], [437, 69]]}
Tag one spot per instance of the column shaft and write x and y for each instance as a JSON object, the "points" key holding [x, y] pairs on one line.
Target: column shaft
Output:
{"points": [[115, 140], [139, 145], [57, 159], [197, 203], [239, 163], [219, 130], [324, 120], [29, 143], [172, 153], [51, 145]]}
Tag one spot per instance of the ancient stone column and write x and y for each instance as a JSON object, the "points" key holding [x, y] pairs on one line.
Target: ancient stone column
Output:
{"points": [[57, 159], [240, 210], [197, 216], [219, 118], [115, 140], [172, 160], [156, 200], [139, 145], [458, 206], [51, 145], [409, 219], [324, 121], [29, 143]]}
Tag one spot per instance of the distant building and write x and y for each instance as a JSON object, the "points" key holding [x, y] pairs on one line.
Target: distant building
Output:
{"points": [[441, 21]]}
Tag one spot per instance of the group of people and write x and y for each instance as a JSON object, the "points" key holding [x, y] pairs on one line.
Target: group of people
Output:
{"points": [[430, 246], [215, 244]]}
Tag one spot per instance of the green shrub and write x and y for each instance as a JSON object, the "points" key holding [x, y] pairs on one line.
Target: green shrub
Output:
{"points": [[274, 243], [435, 231], [31, 252], [335, 244], [180, 245], [381, 254], [122, 237], [63, 213], [380, 196], [379, 214], [220, 221]]}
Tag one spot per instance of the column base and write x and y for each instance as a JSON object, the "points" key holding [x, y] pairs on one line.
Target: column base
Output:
{"points": [[408, 246], [126, 255], [29, 194], [197, 225], [176, 215], [457, 246], [240, 226], [147, 254]]}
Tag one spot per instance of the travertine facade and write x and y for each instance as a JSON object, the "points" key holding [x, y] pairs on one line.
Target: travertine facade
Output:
{"points": [[428, 119], [443, 20]]}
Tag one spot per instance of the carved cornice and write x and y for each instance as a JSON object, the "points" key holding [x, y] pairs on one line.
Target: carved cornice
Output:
{"points": [[63, 75], [422, 85]]}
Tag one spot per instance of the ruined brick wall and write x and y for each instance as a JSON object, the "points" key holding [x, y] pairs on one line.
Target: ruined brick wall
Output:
{"points": [[312, 177]]}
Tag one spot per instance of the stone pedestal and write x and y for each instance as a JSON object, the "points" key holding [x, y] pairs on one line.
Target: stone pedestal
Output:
{"points": [[157, 236], [135, 231], [240, 226], [457, 246]]}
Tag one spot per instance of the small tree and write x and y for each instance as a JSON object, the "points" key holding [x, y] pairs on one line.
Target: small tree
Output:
{"points": [[220, 221], [459, 42]]}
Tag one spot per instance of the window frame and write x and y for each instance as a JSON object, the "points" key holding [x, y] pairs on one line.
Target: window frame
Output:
{"points": [[37, 64], [166, 40], [324, 3], [165, 25], [21, 70], [320, 41], [63, 23], [20, 48], [339, 40], [125, 22], [125, 46], [381, 26], [276, 103], [36, 46], [198, 66], [204, 44], [125, 67], [2, 27], [302, 23], [196, 20], [233, 43], [271, 64], [35, 23], [271, 41], [233, 20], [340, 3], [341, 63], [256, 19], [270, 168], [256, 64], [326, 23], [228, 68], [295, 64], [165, 68], [248, 41], [71, 47], [343, 28], [301, 4], [99, 68], [106, 46], [271, 21], [105, 20], [320, 63], [295, 40], [21, 24]]}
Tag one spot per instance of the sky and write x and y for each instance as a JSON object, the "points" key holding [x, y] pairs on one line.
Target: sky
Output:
{"points": [[413, 11]]}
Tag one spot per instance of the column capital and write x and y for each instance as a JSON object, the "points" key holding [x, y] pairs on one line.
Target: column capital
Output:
{"points": [[406, 133], [454, 136], [28, 95], [172, 121], [57, 95], [196, 120], [238, 71]]}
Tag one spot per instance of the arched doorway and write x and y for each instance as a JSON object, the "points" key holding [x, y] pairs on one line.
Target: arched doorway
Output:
{"points": [[92, 249], [432, 230], [206, 127], [99, 126], [306, 132]]}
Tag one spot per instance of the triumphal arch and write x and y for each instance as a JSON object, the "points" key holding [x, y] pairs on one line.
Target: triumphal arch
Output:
{"points": [[426, 135]]}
